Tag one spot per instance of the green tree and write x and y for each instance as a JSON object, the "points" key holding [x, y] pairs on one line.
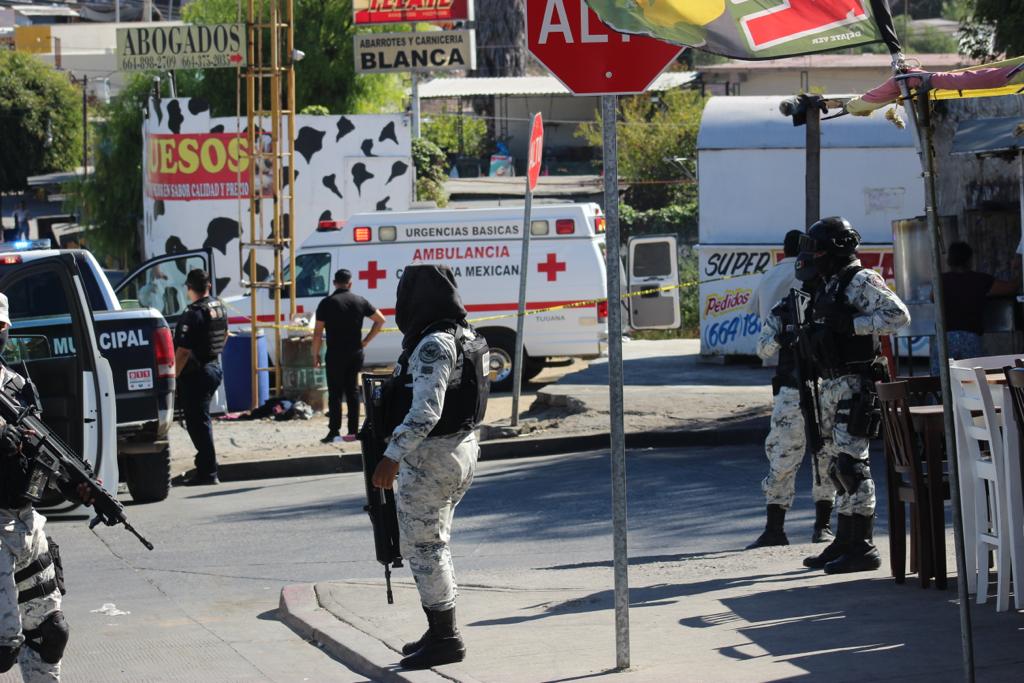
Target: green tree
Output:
{"points": [[40, 120], [430, 163], [444, 131], [110, 199], [657, 137], [325, 76], [1003, 17]]}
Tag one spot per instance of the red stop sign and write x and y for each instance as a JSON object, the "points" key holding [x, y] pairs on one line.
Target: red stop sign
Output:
{"points": [[536, 150], [589, 57]]}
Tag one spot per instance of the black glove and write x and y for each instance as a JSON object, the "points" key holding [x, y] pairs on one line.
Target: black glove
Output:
{"points": [[786, 340], [10, 440]]}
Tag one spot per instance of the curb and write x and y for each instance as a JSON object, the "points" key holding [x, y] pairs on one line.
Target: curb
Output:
{"points": [[300, 609], [751, 431]]}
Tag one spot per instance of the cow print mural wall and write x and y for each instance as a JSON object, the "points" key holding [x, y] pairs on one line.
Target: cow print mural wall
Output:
{"points": [[343, 165]]}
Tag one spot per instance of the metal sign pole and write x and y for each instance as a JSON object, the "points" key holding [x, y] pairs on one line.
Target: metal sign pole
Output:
{"points": [[919, 116], [524, 264], [609, 116]]}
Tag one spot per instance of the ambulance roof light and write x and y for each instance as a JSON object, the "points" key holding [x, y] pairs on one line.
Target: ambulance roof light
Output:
{"points": [[328, 226], [362, 234], [565, 226]]}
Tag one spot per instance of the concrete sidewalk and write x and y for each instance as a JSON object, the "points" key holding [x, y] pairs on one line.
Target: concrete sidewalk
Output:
{"points": [[726, 616]]}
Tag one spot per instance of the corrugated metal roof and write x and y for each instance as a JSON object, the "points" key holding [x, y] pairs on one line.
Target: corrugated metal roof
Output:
{"points": [[739, 122], [527, 85], [44, 11], [982, 136]]}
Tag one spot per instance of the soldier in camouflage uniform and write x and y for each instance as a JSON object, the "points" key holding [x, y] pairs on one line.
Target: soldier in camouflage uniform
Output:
{"points": [[786, 443], [850, 312], [442, 375], [33, 632]]}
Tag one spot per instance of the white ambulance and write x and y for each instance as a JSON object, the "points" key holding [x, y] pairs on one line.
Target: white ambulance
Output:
{"points": [[483, 247]]}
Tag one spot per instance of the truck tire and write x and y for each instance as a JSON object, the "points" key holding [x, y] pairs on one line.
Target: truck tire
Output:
{"points": [[148, 475], [503, 353]]}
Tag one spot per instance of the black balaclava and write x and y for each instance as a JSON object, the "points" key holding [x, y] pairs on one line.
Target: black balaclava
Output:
{"points": [[427, 294]]}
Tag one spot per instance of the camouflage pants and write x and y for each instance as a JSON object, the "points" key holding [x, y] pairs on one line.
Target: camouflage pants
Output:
{"points": [[431, 482], [785, 448], [838, 440], [23, 541]]}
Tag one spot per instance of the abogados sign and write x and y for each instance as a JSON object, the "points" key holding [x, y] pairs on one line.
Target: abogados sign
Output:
{"points": [[156, 46]]}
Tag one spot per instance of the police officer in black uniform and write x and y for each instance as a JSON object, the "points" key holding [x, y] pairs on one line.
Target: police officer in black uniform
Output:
{"points": [[199, 338]]}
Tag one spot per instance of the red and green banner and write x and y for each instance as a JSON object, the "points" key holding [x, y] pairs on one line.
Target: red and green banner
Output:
{"points": [[749, 29]]}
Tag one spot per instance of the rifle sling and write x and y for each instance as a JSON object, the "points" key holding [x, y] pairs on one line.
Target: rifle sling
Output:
{"points": [[37, 591]]}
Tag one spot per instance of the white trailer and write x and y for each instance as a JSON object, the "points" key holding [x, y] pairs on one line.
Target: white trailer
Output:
{"points": [[751, 173]]}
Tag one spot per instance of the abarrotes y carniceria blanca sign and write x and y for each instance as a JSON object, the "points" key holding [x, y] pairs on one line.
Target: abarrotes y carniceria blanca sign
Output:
{"points": [[426, 51]]}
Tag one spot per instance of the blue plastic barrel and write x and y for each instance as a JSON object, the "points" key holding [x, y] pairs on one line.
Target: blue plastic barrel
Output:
{"points": [[237, 363]]}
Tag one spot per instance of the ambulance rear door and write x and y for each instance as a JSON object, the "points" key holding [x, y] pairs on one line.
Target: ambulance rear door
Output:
{"points": [[654, 283]]}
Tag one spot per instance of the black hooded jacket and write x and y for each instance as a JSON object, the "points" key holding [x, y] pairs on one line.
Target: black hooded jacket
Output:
{"points": [[426, 295]]}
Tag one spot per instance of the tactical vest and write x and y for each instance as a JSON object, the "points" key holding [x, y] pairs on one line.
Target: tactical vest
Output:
{"points": [[215, 318], [843, 354], [465, 399], [785, 371], [15, 467]]}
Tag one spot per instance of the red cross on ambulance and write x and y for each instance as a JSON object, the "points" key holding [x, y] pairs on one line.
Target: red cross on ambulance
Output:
{"points": [[372, 274], [551, 267]]}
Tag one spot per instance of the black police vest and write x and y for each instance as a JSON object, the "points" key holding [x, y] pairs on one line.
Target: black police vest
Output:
{"points": [[215, 321], [846, 350], [465, 399], [15, 467], [785, 371]]}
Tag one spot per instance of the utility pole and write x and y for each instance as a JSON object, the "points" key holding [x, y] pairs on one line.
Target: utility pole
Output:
{"points": [[85, 125]]}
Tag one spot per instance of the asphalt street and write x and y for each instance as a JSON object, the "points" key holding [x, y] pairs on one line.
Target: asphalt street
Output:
{"points": [[201, 606]]}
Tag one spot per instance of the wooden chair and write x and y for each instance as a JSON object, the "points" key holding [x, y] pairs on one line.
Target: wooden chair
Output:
{"points": [[908, 470]]}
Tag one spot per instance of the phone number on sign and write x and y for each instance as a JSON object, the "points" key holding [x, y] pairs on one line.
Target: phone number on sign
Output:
{"points": [[727, 331]]}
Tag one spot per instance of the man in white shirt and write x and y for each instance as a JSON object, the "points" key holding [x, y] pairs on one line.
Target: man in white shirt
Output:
{"points": [[776, 283]]}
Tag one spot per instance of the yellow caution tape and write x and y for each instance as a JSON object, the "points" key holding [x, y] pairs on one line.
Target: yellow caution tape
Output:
{"points": [[549, 309]]}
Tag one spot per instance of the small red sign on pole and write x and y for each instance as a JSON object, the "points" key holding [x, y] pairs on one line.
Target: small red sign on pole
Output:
{"points": [[536, 151]]}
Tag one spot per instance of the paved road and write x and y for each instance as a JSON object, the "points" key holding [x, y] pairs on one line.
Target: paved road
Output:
{"points": [[202, 605]]}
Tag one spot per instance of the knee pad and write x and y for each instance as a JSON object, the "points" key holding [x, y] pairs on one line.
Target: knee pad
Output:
{"points": [[851, 472], [50, 638], [8, 657]]}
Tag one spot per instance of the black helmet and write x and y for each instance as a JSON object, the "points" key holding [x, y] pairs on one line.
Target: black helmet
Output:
{"points": [[831, 243]]}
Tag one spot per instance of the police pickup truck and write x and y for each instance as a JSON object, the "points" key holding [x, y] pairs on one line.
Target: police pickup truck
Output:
{"points": [[135, 341]]}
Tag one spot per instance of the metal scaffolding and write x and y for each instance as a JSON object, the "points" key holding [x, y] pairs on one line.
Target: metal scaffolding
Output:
{"points": [[270, 133]]}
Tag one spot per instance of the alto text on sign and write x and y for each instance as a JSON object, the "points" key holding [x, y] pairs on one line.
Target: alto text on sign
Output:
{"points": [[587, 56], [427, 51], [154, 46]]}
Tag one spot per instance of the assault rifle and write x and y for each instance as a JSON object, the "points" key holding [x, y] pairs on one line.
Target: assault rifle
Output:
{"points": [[796, 326], [53, 461], [380, 503]]}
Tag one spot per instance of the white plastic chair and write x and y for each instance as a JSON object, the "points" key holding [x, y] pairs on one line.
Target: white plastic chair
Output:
{"points": [[983, 490]]}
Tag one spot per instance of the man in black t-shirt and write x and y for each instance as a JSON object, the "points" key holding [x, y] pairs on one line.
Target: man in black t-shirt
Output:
{"points": [[966, 291], [342, 314]]}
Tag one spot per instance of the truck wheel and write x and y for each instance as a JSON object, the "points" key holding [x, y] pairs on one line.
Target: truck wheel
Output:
{"points": [[503, 353], [149, 475]]}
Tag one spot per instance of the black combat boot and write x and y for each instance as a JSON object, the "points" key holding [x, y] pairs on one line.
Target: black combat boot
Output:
{"points": [[861, 555], [444, 646], [822, 520], [835, 549], [773, 533], [409, 648]]}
